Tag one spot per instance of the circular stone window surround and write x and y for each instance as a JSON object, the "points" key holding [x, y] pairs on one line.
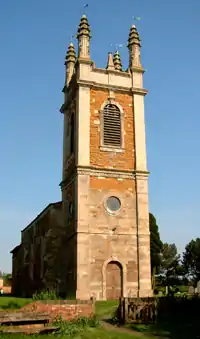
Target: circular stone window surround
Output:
{"points": [[114, 195]]}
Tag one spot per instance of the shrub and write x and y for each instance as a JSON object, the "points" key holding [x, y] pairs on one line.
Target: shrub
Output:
{"points": [[73, 327], [45, 295], [11, 305]]}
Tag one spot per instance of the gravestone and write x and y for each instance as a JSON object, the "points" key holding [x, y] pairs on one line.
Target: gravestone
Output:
{"points": [[198, 287], [191, 290]]}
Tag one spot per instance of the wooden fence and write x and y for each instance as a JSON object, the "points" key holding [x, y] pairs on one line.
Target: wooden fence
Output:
{"points": [[138, 310]]}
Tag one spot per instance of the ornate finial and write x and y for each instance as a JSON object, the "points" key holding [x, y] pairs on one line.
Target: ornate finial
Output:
{"points": [[134, 48], [83, 37], [110, 64], [134, 38], [71, 54], [70, 61], [117, 61], [83, 28]]}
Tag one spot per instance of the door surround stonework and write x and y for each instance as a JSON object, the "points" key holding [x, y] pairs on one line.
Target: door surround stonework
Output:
{"points": [[124, 274]]}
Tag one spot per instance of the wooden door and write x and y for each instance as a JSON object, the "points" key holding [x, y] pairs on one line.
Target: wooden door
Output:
{"points": [[113, 281]]}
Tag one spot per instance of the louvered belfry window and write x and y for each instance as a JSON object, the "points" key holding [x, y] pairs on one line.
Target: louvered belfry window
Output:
{"points": [[112, 126]]}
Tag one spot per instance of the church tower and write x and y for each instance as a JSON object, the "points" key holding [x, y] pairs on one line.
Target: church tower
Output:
{"points": [[105, 178]]}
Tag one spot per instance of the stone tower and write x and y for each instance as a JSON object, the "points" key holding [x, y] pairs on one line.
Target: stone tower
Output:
{"points": [[105, 178]]}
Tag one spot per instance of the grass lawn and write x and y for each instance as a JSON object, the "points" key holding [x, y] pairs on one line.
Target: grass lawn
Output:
{"points": [[104, 334], [91, 333], [7, 302], [106, 308]]}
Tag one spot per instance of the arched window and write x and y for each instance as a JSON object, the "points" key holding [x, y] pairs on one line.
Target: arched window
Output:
{"points": [[112, 127], [72, 134]]}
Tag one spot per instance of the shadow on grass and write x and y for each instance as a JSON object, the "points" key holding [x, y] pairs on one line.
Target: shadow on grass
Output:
{"points": [[173, 329], [168, 330], [180, 330]]}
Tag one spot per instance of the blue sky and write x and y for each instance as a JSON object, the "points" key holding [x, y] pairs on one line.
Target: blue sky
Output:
{"points": [[34, 38]]}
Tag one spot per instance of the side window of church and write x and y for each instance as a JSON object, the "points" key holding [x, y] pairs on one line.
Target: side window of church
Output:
{"points": [[72, 134], [112, 133]]}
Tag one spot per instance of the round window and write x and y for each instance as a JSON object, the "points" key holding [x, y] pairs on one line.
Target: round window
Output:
{"points": [[113, 204]]}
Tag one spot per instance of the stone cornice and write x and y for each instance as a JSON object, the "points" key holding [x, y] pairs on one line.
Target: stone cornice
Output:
{"points": [[62, 108], [83, 61], [93, 84], [141, 91], [65, 183], [137, 69], [70, 96], [105, 173], [141, 173]]}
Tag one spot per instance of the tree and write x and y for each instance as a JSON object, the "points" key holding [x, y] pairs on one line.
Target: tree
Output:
{"points": [[170, 264], [191, 260], [155, 245], [7, 279]]}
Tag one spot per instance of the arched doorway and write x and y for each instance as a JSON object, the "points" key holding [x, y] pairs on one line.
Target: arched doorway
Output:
{"points": [[113, 280]]}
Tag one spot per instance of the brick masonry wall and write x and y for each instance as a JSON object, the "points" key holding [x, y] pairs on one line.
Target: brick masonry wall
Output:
{"points": [[98, 158], [67, 309], [112, 184], [7, 289]]}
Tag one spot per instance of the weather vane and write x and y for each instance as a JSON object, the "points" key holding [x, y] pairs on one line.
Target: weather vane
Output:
{"points": [[83, 12], [115, 47], [122, 45], [84, 8], [136, 18]]}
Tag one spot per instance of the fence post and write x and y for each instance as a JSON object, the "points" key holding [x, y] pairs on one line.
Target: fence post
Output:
{"points": [[156, 310], [125, 310], [121, 309]]}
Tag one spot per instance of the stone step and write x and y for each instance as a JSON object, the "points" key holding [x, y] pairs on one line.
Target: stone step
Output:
{"points": [[23, 317], [29, 330]]}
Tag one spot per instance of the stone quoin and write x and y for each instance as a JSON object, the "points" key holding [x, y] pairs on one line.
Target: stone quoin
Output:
{"points": [[95, 242]]}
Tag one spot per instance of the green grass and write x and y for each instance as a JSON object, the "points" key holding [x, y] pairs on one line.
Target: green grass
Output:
{"points": [[106, 308], [149, 329], [90, 333], [104, 334], [7, 303]]}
